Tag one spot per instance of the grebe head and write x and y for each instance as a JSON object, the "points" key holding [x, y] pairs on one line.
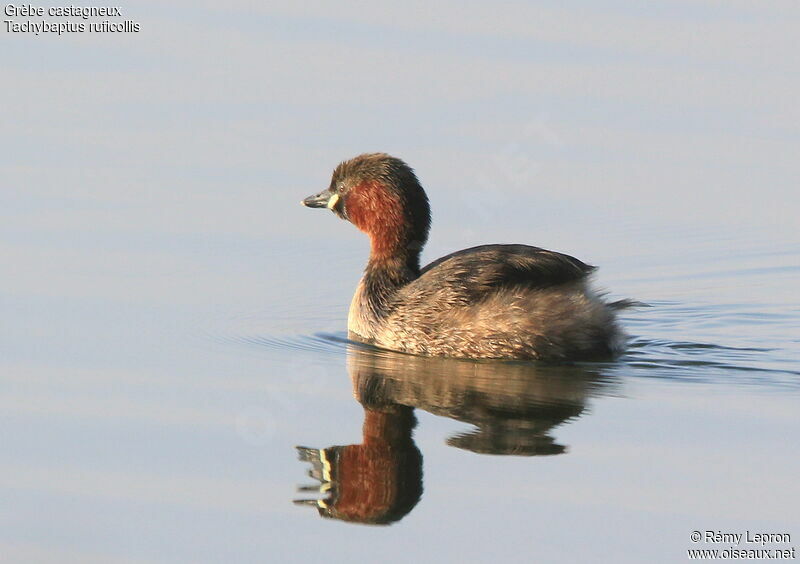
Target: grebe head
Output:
{"points": [[380, 195]]}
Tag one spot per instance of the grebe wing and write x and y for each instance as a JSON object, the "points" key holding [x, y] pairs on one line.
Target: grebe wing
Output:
{"points": [[491, 266]]}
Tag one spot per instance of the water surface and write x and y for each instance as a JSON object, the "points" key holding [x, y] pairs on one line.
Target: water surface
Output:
{"points": [[174, 321]]}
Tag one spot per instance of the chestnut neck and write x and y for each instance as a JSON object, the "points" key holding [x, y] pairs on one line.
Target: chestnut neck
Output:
{"points": [[379, 210]]}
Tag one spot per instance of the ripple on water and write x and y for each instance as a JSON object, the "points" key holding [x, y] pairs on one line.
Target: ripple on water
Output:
{"points": [[651, 358], [707, 362], [739, 345], [325, 343]]}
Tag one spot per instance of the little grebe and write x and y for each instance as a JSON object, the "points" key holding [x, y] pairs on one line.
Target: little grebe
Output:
{"points": [[491, 301]]}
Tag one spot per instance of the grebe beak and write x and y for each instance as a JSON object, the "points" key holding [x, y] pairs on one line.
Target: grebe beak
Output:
{"points": [[321, 200]]}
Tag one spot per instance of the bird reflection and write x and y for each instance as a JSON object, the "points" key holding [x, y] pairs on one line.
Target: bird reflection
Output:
{"points": [[378, 481], [512, 406]]}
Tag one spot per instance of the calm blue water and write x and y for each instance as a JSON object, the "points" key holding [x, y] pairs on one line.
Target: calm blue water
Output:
{"points": [[174, 321]]}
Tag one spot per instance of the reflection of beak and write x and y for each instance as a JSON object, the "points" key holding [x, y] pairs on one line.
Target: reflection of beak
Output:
{"points": [[320, 470], [325, 199], [320, 466], [318, 503]]}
